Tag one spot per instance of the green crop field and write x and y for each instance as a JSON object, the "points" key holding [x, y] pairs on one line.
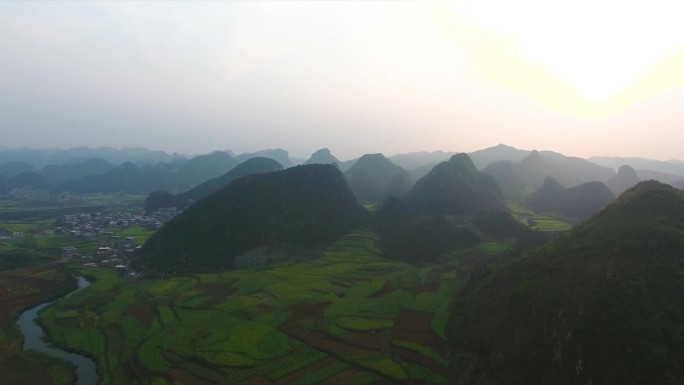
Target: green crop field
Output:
{"points": [[548, 222], [347, 317], [49, 207], [35, 247]]}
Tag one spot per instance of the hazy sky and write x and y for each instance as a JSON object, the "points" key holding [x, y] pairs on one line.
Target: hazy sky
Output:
{"points": [[582, 77]]}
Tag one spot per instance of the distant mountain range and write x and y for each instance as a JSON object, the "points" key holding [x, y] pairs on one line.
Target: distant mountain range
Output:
{"points": [[413, 160], [568, 171], [39, 158], [251, 166], [179, 175], [667, 167], [279, 155], [578, 202], [483, 158], [139, 170]]}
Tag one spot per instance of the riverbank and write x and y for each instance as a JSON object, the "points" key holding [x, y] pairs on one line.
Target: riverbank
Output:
{"points": [[21, 290], [34, 341]]}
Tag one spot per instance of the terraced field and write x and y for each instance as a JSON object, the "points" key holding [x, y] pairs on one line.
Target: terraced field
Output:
{"points": [[347, 317]]}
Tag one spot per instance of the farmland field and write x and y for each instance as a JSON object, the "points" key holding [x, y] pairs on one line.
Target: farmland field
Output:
{"points": [[35, 247], [548, 222], [346, 317], [51, 207], [19, 290]]}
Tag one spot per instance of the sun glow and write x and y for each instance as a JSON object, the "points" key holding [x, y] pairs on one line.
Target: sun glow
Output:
{"points": [[606, 53]]}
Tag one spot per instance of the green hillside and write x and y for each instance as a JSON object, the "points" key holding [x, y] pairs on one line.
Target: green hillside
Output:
{"points": [[600, 305], [295, 209]]}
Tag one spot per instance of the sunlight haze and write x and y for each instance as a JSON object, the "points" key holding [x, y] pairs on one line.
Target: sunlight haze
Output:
{"points": [[579, 77]]}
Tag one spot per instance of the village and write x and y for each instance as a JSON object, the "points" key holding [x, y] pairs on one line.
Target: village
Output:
{"points": [[87, 225], [114, 250]]}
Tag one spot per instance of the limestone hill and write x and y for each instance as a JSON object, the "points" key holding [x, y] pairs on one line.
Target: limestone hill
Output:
{"points": [[293, 209], [455, 187], [602, 304], [625, 178], [373, 178], [322, 156]]}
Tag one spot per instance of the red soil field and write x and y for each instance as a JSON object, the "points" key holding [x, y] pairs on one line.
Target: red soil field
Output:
{"points": [[143, 312], [383, 291], [303, 310], [304, 371], [413, 320], [185, 377]]}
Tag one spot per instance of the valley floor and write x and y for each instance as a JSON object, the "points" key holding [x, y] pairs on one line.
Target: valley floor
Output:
{"points": [[347, 317]]}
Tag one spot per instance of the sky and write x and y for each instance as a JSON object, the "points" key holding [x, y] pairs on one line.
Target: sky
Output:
{"points": [[580, 77]]}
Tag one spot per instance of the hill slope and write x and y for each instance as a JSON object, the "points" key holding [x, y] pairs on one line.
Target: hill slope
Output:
{"points": [[296, 208], [601, 305]]}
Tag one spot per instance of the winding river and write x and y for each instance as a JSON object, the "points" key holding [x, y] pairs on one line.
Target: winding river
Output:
{"points": [[33, 340]]}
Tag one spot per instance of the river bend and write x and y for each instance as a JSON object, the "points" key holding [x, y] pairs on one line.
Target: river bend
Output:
{"points": [[34, 339]]}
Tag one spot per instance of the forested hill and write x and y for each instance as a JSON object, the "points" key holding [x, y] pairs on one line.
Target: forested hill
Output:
{"points": [[601, 305], [293, 210]]}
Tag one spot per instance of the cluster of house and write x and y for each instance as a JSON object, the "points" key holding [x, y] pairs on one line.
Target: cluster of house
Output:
{"points": [[87, 225], [28, 194], [14, 235], [115, 255], [116, 250]]}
